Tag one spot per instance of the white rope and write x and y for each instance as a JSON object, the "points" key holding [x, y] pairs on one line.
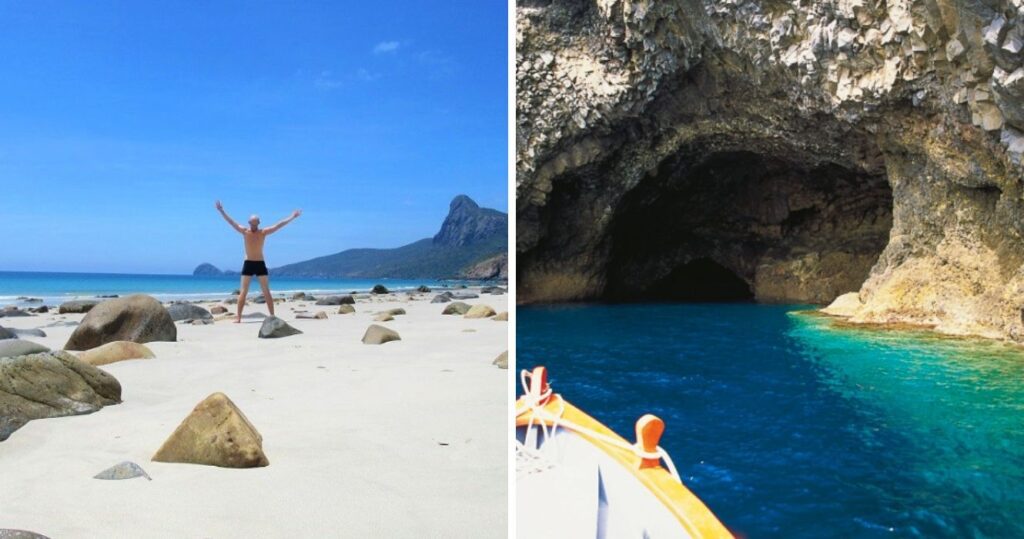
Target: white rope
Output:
{"points": [[538, 411]]}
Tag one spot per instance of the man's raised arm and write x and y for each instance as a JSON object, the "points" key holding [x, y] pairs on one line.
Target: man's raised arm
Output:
{"points": [[271, 229], [236, 226]]}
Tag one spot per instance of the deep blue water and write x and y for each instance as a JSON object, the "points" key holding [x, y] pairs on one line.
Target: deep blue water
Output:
{"points": [[57, 287], [788, 426]]}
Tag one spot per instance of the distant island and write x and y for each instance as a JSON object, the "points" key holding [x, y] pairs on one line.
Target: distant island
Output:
{"points": [[471, 244], [209, 270]]}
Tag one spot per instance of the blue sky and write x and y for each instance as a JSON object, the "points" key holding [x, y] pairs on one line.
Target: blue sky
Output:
{"points": [[122, 123]]}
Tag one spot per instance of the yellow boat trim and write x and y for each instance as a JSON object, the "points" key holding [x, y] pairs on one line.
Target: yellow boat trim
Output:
{"points": [[695, 517]]}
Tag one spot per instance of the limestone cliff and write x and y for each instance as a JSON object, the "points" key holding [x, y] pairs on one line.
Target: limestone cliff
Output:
{"points": [[801, 148]]}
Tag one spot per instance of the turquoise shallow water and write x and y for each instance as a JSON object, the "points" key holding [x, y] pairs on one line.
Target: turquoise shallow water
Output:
{"points": [[788, 426], [54, 288]]}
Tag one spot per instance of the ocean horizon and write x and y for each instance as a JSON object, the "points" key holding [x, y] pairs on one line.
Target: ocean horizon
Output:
{"points": [[56, 287]]}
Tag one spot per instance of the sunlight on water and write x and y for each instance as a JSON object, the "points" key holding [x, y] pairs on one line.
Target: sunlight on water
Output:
{"points": [[788, 425]]}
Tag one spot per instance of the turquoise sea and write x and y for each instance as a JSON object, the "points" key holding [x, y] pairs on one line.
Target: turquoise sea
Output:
{"points": [[788, 425], [54, 288]]}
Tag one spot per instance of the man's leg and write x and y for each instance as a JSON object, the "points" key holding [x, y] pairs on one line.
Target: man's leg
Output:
{"points": [[242, 292], [265, 285]]}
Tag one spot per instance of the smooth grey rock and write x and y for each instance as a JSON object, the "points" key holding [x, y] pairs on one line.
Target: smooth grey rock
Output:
{"points": [[78, 306], [440, 298], [7, 334], [274, 328], [18, 347], [457, 307], [6, 533], [27, 332], [336, 300], [188, 311], [464, 295], [137, 318], [124, 470]]}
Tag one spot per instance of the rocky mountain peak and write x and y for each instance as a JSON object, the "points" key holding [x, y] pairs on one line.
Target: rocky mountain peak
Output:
{"points": [[467, 223]]}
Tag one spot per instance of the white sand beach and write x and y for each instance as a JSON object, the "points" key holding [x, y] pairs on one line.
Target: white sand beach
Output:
{"points": [[404, 439]]}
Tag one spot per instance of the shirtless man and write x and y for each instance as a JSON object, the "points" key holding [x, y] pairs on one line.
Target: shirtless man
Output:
{"points": [[254, 263]]}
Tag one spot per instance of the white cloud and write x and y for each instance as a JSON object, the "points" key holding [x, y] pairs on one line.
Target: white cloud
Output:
{"points": [[386, 47], [327, 81], [366, 76]]}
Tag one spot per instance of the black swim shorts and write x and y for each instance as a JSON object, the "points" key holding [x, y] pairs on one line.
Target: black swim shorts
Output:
{"points": [[254, 267]]}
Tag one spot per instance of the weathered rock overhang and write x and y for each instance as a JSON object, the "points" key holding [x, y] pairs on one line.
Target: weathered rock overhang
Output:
{"points": [[796, 148]]}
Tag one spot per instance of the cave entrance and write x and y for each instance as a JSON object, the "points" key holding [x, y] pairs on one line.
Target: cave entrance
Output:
{"points": [[746, 225], [702, 280]]}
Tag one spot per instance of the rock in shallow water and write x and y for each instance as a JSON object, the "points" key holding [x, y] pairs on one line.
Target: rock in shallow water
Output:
{"points": [[124, 470], [274, 328], [216, 433], [51, 384], [137, 318]]}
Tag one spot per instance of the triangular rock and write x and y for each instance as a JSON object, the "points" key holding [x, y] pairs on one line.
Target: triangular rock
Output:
{"points": [[124, 470], [379, 335], [216, 433]]}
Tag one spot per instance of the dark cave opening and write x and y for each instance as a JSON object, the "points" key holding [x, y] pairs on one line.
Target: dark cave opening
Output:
{"points": [[700, 280], [766, 226]]}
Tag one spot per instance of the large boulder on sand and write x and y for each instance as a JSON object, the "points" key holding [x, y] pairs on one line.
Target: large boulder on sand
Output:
{"points": [[379, 289], [501, 317], [6, 334], [188, 311], [346, 309], [440, 298], [78, 306], [18, 347], [217, 309], [116, 351], [336, 300], [216, 433], [502, 360], [51, 384], [137, 318], [480, 311], [457, 307], [379, 335], [273, 328]]}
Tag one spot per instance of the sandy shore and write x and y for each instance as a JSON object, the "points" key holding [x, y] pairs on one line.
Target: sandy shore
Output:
{"points": [[405, 439]]}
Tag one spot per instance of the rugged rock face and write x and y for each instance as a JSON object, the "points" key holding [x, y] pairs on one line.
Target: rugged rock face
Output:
{"points": [[776, 151], [51, 384], [495, 267]]}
